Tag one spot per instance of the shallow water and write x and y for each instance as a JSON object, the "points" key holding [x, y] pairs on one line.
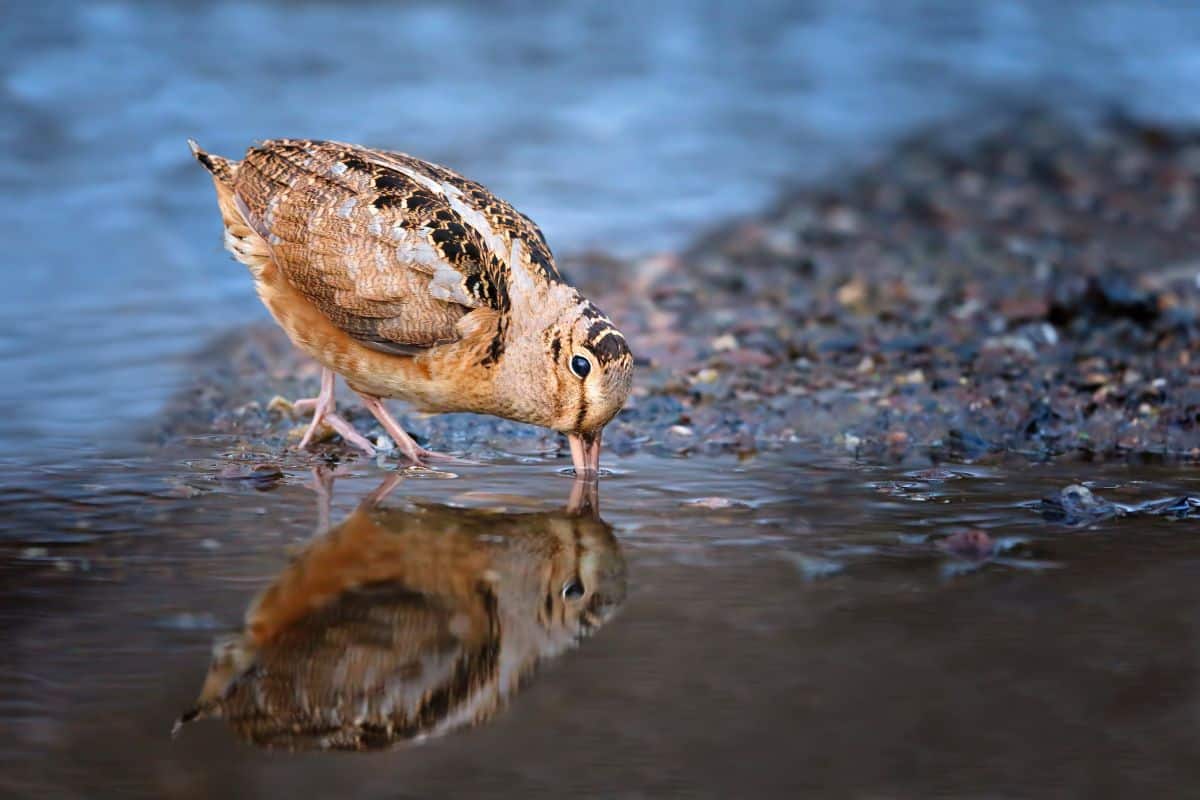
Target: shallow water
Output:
{"points": [[780, 625]]}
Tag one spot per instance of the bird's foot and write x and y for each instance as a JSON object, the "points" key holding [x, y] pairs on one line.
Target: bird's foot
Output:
{"points": [[420, 457], [323, 408], [417, 456], [346, 431]]}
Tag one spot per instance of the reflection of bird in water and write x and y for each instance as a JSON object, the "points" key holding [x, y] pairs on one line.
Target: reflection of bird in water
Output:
{"points": [[398, 624]]}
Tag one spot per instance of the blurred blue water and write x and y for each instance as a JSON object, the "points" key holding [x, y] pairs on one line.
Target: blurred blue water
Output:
{"points": [[614, 125]]}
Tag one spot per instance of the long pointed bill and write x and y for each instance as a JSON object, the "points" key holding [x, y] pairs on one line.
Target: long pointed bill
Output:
{"points": [[586, 455]]}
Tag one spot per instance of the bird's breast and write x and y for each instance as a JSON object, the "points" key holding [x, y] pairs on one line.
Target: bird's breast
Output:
{"points": [[448, 377]]}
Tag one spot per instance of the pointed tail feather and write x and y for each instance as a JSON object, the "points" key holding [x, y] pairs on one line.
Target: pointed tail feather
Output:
{"points": [[221, 168]]}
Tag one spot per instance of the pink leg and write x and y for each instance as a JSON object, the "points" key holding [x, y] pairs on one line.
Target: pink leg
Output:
{"points": [[307, 405], [347, 432], [321, 405], [323, 411], [413, 451]]}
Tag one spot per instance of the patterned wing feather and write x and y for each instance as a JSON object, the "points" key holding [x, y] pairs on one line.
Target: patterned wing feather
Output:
{"points": [[381, 247]]}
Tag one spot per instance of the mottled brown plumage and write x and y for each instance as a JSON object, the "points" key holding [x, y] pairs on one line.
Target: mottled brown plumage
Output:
{"points": [[399, 624], [416, 283]]}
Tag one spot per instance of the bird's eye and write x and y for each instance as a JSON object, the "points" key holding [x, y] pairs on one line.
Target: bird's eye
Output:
{"points": [[572, 590], [580, 366]]}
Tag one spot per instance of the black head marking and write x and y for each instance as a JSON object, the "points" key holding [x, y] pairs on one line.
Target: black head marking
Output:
{"points": [[606, 342]]}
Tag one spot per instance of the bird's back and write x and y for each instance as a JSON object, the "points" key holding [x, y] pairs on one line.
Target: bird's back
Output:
{"points": [[392, 249]]}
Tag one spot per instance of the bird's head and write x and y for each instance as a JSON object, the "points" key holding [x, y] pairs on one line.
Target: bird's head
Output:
{"points": [[575, 371]]}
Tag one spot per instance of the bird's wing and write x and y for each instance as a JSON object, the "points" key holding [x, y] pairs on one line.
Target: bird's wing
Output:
{"points": [[496, 220], [393, 250]]}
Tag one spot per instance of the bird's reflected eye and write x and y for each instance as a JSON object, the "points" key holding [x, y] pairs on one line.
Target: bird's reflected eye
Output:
{"points": [[573, 589], [580, 366]]}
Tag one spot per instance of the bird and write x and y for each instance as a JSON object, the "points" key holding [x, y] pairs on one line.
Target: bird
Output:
{"points": [[398, 624], [415, 283]]}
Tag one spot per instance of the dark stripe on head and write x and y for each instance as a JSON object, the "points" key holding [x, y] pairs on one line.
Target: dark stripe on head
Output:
{"points": [[606, 342]]}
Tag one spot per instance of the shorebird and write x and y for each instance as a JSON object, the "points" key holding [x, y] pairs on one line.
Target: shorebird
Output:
{"points": [[413, 282]]}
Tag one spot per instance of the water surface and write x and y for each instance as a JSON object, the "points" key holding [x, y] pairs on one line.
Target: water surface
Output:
{"points": [[784, 625]]}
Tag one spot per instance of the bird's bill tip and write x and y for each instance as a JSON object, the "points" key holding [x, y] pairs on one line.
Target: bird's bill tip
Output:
{"points": [[585, 452]]}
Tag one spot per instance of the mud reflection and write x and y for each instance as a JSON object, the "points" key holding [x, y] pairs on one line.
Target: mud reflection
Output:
{"points": [[399, 623]]}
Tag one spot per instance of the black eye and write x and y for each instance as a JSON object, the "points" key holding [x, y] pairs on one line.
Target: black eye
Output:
{"points": [[580, 366], [572, 590]]}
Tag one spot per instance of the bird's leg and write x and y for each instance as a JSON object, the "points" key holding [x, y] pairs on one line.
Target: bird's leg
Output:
{"points": [[347, 432], [413, 451], [303, 406], [321, 405], [323, 411]]}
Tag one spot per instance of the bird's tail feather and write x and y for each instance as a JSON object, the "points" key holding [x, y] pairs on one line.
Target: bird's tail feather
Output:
{"points": [[221, 168]]}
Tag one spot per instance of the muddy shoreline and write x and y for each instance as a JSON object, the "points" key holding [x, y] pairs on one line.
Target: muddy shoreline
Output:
{"points": [[1035, 295]]}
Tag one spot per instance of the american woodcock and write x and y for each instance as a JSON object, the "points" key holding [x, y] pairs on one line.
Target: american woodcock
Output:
{"points": [[413, 282]]}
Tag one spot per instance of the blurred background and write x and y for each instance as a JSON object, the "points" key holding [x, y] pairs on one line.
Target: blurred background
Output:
{"points": [[621, 127]]}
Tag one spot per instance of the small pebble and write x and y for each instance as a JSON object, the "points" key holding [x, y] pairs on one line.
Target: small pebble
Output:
{"points": [[726, 342], [713, 503]]}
